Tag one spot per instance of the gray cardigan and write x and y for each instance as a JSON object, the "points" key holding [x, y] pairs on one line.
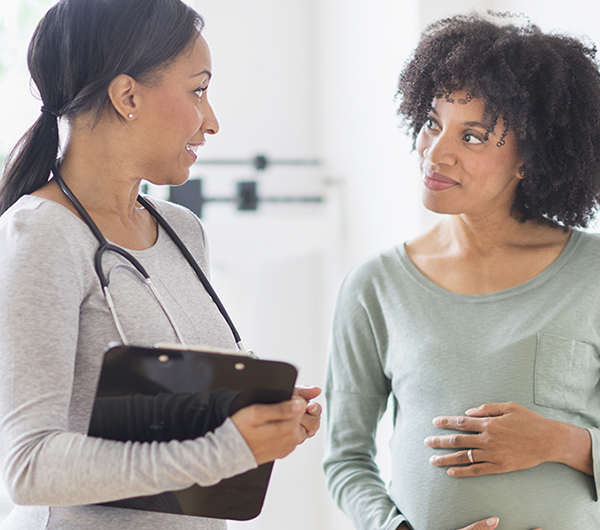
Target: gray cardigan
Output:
{"points": [[54, 326]]}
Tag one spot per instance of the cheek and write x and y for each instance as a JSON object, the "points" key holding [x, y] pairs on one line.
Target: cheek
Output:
{"points": [[507, 168], [178, 118], [189, 119]]}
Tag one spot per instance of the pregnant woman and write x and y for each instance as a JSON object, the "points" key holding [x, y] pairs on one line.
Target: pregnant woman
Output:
{"points": [[485, 330]]}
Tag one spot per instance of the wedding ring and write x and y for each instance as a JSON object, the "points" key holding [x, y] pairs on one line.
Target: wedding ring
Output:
{"points": [[470, 455]]}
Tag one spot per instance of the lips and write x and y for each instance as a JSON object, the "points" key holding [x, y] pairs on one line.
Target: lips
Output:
{"points": [[437, 182], [191, 149]]}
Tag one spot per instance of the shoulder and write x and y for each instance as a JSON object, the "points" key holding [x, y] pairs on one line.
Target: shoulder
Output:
{"points": [[42, 224], [43, 242], [583, 255], [587, 241], [368, 279], [584, 248], [378, 266]]}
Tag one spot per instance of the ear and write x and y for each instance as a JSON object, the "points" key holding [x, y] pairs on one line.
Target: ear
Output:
{"points": [[123, 93]]}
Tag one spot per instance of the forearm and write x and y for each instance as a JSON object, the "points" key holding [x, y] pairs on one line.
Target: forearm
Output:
{"points": [[62, 469], [352, 476], [572, 446]]}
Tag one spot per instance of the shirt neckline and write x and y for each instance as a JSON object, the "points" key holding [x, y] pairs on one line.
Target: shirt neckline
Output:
{"points": [[566, 253], [144, 252]]}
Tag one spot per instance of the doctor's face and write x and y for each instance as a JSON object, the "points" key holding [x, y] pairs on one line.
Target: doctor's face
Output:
{"points": [[176, 117]]}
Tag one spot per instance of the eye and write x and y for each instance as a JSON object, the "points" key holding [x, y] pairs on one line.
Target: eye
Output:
{"points": [[430, 123], [200, 91], [472, 139]]}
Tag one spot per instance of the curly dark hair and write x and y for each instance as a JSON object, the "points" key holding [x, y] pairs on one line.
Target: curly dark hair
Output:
{"points": [[546, 88]]}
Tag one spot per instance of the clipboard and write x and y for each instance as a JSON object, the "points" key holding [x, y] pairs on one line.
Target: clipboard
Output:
{"points": [[170, 393]]}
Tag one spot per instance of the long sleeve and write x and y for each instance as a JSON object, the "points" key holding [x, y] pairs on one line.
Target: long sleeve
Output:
{"points": [[595, 479], [49, 372], [357, 391]]}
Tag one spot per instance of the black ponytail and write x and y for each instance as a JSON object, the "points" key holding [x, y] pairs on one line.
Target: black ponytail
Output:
{"points": [[28, 165], [77, 49]]}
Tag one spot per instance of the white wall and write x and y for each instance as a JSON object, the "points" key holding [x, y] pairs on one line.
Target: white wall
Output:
{"points": [[362, 47]]}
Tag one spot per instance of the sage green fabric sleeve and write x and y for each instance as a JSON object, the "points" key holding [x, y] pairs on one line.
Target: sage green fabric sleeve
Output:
{"points": [[356, 396], [595, 479]]}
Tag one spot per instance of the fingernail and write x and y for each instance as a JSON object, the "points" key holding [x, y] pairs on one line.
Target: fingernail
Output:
{"points": [[470, 410], [492, 521], [433, 459], [427, 440], [451, 472], [298, 405]]}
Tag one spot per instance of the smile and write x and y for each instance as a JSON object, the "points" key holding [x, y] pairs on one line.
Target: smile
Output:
{"points": [[191, 149], [437, 182]]}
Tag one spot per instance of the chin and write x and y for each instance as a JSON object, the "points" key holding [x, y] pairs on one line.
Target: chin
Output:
{"points": [[179, 181], [437, 206], [169, 179]]}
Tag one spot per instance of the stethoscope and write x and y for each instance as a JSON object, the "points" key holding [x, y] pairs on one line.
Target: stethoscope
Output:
{"points": [[106, 246]]}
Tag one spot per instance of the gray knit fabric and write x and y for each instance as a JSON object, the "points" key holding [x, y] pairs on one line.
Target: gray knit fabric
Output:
{"points": [[54, 326]]}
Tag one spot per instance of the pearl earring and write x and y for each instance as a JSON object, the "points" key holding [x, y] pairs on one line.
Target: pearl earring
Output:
{"points": [[130, 116]]}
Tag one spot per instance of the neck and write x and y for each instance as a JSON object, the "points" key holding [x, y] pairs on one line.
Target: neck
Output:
{"points": [[105, 180], [491, 233], [101, 175], [485, 235], [102, 189]]}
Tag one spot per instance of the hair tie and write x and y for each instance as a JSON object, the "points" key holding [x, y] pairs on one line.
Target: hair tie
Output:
{"points": [[51, 110]]}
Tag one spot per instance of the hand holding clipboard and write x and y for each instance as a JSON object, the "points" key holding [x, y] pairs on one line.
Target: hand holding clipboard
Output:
{"points": [[147, 394]]}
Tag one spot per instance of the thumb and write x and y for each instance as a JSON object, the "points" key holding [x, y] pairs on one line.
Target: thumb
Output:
{"points": [[307, 392], [285, 410], [485, 524]]}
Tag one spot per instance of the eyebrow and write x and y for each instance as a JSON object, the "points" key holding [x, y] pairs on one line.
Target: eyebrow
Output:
{"points": [[207, 72], [476, 124], [468, 123]]}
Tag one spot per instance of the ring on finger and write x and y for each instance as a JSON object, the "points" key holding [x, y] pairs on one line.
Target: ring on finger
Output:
{"points": [[470, 456]]}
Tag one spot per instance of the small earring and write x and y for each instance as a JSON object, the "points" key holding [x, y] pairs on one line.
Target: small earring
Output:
{"points": [[522, 172], [130, 116]]}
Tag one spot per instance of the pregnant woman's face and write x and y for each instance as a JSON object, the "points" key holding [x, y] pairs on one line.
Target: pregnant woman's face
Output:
{"points": [[465, 169]]}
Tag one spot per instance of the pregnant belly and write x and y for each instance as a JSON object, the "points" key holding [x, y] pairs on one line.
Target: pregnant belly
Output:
{"points": [[550, 496]]}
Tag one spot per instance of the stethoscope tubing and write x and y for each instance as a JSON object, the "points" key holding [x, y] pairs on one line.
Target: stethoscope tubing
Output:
{"points": [[105, 246]]}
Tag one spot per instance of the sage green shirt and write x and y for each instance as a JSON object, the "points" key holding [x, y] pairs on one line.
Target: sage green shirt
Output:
{"points": [[441, 353]]}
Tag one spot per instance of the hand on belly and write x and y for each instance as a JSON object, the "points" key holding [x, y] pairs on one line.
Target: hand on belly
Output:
{"points": [[507, 437]]}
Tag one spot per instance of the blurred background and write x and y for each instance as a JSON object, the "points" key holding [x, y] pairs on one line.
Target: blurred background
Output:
{"points": [[310, 173]]}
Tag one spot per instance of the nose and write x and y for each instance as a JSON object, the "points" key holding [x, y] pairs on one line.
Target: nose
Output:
{"points": [[210, 124], [439, 150]]}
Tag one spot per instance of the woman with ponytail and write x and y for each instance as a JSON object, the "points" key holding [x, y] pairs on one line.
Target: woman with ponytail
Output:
{"points": [[130, 77]]}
